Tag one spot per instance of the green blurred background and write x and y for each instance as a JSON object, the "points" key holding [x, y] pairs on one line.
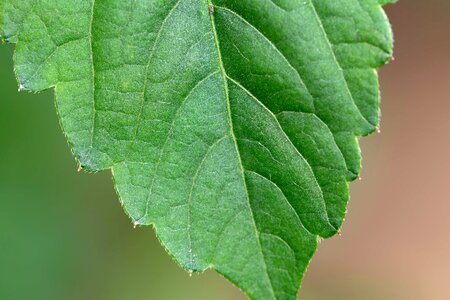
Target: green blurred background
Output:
{"points": [[63, 234]]}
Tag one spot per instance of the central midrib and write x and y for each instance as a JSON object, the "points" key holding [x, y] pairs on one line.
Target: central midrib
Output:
{"points": [[233, 136]]}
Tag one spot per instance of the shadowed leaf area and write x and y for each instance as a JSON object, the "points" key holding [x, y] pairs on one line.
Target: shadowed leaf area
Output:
{"points": [[230, 126]]}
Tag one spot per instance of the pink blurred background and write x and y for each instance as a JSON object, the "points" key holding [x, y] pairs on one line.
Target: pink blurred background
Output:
{"points": [[396, 238]]}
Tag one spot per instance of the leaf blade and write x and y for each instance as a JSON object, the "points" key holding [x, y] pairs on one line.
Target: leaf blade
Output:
{"points": [[234, 134]]}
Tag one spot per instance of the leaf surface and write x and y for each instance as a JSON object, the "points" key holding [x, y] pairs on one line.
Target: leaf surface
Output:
{"points": [[230, 126]]}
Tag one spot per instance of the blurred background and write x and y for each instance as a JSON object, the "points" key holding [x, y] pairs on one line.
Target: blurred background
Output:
{"points": [[63, 234]]}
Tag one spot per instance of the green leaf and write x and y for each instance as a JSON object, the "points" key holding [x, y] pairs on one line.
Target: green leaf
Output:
{"points": [[230, 126]]}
